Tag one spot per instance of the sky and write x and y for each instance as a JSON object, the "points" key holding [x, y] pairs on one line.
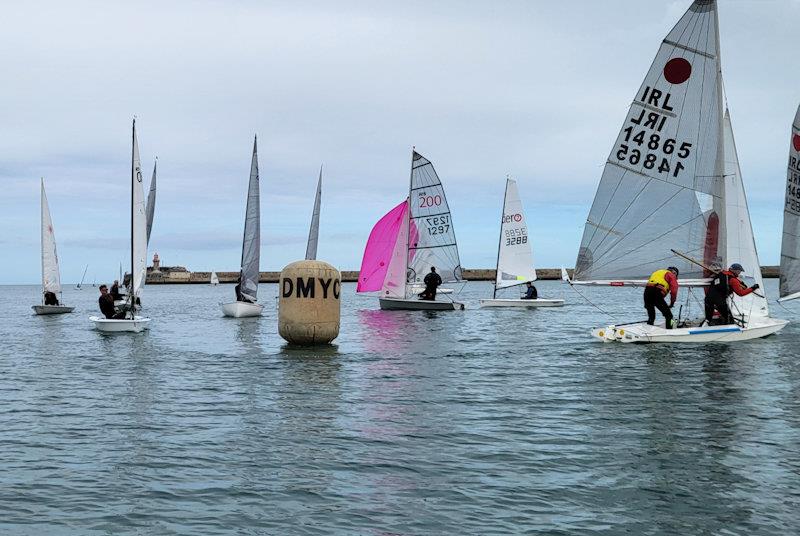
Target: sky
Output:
{"points": [[535, 89]]}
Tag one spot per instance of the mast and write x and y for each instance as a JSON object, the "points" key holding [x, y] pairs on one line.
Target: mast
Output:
{"points": [[500, 239], [41, 238], [133, 181], [408, 218]]}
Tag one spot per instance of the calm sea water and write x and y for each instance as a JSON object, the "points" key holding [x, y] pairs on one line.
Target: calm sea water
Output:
{"points": [[474, 422]]}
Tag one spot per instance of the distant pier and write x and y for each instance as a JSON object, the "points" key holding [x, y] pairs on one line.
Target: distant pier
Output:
{"points": [[167, 275]]}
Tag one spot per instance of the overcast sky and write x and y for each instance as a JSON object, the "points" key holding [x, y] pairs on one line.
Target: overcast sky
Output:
{"points": [[536, 88]]}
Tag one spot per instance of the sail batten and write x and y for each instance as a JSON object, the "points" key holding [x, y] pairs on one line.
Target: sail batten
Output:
{"points": [[790, 243], [251, 241]]}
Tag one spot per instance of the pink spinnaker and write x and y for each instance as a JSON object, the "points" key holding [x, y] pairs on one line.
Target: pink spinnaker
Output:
{"points": [[379, 248]]}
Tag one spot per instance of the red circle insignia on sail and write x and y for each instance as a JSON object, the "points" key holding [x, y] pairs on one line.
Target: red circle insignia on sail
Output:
{"points": [[796, 142], [677, 71]]}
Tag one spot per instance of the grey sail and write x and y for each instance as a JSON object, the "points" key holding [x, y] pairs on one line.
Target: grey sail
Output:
{"points": [[251, 244], [790, 245], [313, 232], [431, 237], [662, 186], [150, 209]]}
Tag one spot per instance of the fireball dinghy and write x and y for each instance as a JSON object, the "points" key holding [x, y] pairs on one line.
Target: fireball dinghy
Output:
{"points": [[132, 321], [247, 287], [514, 255], [51, 276], [790, 245], [413, 237], [672, 182]]}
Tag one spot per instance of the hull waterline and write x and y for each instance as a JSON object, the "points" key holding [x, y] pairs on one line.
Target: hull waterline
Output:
{"points": [[398, 304], [520, 303], [51, 309]]}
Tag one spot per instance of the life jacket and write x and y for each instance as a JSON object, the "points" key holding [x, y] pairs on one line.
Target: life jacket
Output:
{"points": [[720, 285], [659, 279]]}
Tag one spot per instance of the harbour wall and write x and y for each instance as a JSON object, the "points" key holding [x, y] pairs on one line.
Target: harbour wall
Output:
{"points": [[180, 275]]}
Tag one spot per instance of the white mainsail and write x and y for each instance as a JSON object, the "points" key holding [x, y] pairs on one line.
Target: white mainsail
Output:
{"points": [[138, 221], [214, 278], [251, 242], [431, 238], [51, 277], [790, 245], [313, 232], [741, 244], [514, 253], [151, 202], [662, 184]]}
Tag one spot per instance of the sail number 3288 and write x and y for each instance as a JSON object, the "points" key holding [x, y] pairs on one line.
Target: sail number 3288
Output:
{"points": [[650, 160]]}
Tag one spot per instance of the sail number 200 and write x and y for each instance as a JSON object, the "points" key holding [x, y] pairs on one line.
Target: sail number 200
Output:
{"points": [[654, 143]]}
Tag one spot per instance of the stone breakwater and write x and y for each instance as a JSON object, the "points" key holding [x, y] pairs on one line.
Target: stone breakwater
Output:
{"points": [[179, 274]]}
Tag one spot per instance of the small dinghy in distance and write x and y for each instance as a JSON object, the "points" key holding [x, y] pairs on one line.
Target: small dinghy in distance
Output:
{"points": [[249, 274], [413, 237], [514, 255], [132, 322], [51, 275], [790, 245], [214, 279], [672, 184]]}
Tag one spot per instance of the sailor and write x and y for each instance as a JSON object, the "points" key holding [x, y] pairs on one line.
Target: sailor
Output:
{"points": [[106, 303], [115, 295], [530, 292], [432, 282], [50, 298], [661, 283], [723, 285], [239, 296]]}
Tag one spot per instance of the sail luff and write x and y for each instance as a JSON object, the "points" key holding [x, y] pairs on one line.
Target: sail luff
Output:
{"points": [[138, 222], [251, 241], [51, 277], [313, 232], [151, 202], [500, 241], [790, 242]]}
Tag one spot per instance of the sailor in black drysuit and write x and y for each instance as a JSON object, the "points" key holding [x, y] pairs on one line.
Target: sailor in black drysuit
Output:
{"points": [[50, 298], [432, 282], [724, 284]]}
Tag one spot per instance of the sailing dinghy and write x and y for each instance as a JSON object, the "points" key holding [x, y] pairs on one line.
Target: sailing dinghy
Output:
{"points": [[51, 276], [247, 287], [413, 237], [133, 322], [214, 279], [80, 285], [790, 245], [672, 183], [514, 254]]}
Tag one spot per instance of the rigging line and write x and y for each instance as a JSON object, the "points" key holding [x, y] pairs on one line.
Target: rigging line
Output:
{"points": [[587, 300]]}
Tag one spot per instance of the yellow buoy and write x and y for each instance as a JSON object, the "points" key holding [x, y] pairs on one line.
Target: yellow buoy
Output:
{"points": [[309, 305]]}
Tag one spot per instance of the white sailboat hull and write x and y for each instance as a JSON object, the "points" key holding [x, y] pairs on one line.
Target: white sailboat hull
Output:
{"points": [[644, 333], [519, 302], [239, 309], [400, 304], [107, 325], [51, 309]]}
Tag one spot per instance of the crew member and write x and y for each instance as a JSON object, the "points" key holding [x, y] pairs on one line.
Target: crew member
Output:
{"points": [[50, 298], [106, 303], [723, 285], [432, 282], [661, 283], [115, 295], [239, 295], [530, 292]]}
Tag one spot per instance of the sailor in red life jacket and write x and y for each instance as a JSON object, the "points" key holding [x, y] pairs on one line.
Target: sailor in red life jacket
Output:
{"points": [[661, 283], [723, 285]]}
